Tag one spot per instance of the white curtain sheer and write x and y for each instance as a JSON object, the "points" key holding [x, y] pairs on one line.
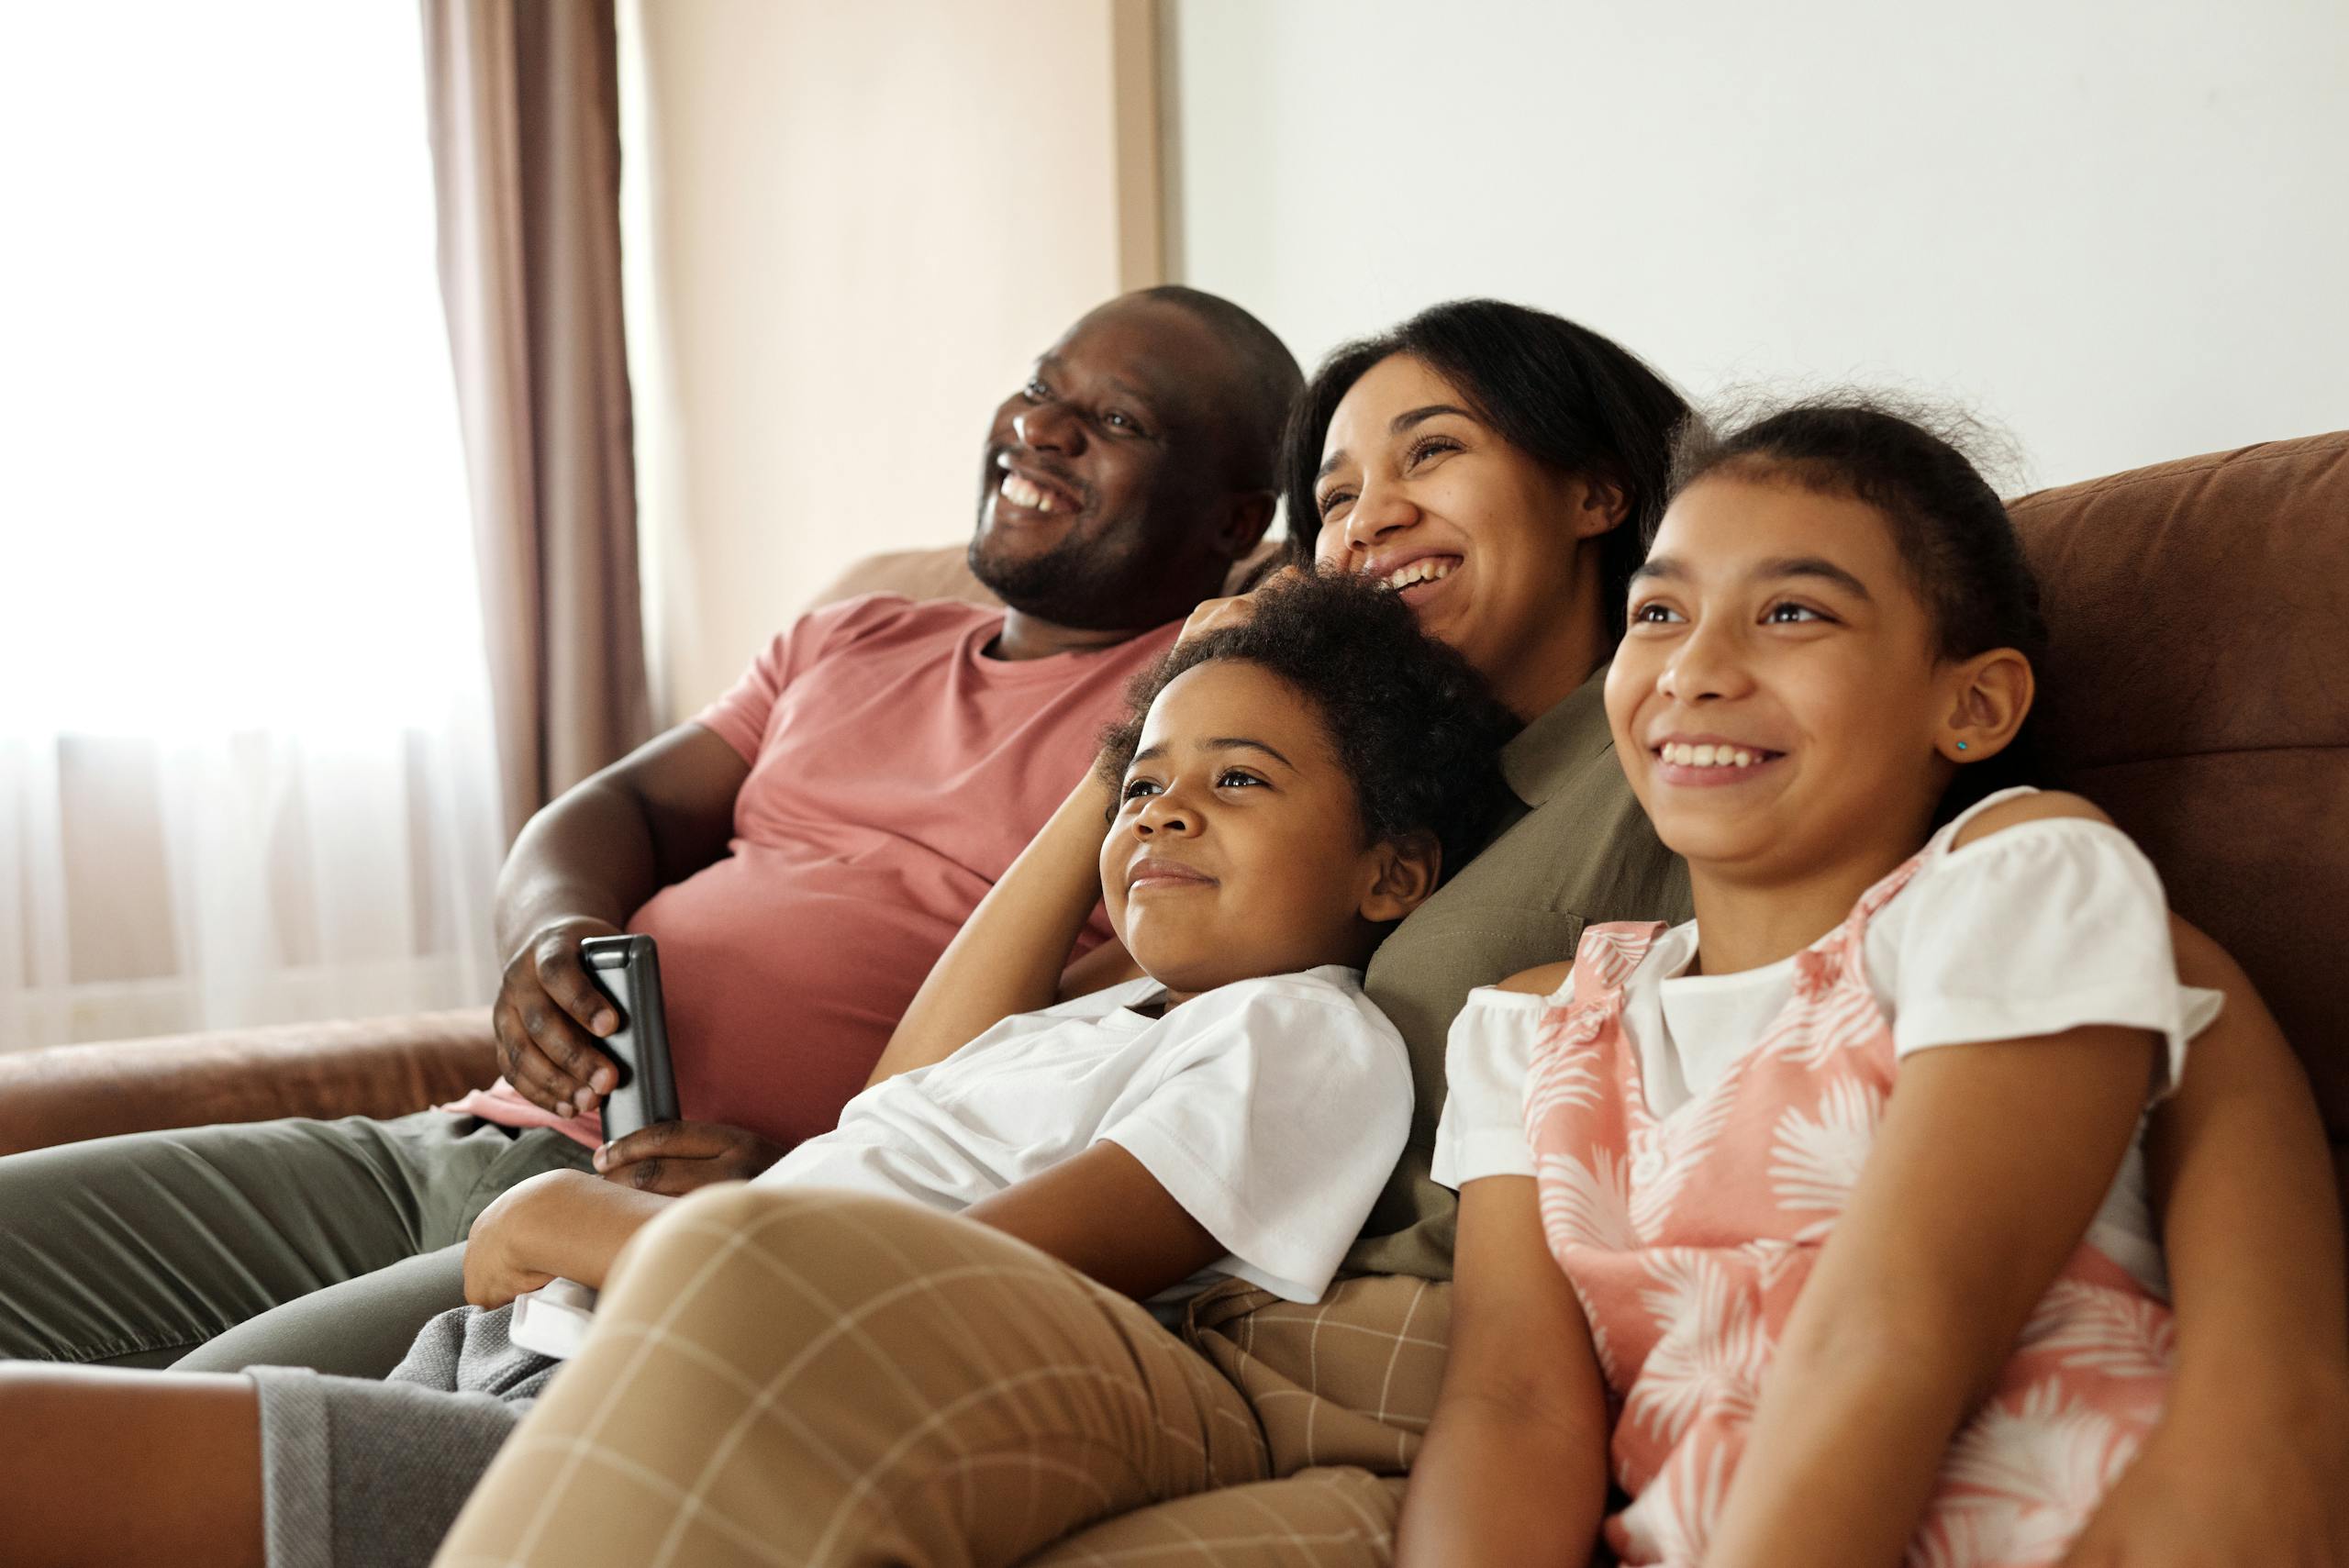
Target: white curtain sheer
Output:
{"points": [[246, 771]]}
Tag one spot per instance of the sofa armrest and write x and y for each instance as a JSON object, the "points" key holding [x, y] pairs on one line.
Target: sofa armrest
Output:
{"points": [[378, 1067]]}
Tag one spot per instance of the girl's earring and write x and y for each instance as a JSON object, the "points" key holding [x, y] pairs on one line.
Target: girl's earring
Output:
{"points": [[1961, 745]]}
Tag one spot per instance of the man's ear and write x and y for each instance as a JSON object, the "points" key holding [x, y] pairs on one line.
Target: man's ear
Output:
{"points": [[1247, 513], [1407, 870], [1991, 695]]}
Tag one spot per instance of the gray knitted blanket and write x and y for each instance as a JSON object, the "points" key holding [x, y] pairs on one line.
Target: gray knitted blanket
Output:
{"points": [[362, 1474]]}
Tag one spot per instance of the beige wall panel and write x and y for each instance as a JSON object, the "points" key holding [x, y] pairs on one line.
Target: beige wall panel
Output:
{"points": [[851, 227]]}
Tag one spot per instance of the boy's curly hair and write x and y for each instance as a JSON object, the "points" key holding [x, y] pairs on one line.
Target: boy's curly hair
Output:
{"points": [[1416, 728]]}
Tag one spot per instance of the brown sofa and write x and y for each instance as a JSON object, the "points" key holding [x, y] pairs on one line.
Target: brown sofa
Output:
{"points": [[2198, 688]]}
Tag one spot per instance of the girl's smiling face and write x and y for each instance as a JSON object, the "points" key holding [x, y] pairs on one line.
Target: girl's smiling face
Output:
{"points": [[1482, 540], [1777, 702]]}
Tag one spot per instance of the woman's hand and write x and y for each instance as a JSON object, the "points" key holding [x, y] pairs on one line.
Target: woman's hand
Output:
{"points": [[2209, 1493], [513, 1244], [1215, 615], [680, 1157]]}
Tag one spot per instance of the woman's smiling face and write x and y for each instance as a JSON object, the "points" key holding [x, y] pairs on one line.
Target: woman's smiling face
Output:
{"points": [[1482, 540], [1777, 700]]}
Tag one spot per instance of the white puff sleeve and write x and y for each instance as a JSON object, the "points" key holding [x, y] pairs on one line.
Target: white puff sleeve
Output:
{"points": [[1486, 1059], [2040, 928]]}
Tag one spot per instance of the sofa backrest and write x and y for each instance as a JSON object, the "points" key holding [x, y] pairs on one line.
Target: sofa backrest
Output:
{"points": [[940, 574], [2198, 689]]}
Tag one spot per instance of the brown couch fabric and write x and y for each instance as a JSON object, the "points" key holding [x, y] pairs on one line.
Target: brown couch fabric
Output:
{"points": [[2198, 689], [376, 1067], [941, 572]]}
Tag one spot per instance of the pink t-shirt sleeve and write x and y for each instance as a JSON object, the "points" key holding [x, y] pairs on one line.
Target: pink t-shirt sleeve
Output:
{"points": [[869, 730], [741, 716]]}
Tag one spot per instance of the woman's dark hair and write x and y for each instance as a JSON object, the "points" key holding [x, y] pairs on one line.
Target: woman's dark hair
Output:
{"points": [[1556, 391], [1953, 533], [1416, 728]]}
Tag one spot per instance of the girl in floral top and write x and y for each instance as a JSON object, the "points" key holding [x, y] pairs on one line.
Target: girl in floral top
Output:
{"points": [[1817, 1226]]}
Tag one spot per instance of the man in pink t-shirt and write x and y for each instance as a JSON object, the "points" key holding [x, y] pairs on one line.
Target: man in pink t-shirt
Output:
{"points": [[802, 850]]}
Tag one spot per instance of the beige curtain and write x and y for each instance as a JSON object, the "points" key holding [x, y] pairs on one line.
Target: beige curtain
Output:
{"points": [[523, 99]]}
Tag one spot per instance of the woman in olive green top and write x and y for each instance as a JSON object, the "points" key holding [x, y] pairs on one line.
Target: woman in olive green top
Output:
{"points": [[1500, 466]]}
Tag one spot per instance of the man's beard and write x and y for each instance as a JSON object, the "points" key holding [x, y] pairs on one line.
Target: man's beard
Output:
{"points": [[1084, 584], [1071, 585]]}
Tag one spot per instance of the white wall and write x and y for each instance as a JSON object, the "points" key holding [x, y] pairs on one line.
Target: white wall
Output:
{"points": [[848, 229], [2119, 230]]}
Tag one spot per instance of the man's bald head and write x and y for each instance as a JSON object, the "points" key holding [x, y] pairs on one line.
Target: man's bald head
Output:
{"points": [[1262, 379], [1136, 463]]}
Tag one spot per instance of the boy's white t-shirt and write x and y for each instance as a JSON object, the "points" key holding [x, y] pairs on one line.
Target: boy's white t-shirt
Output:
{"points": [[1271, 1109], [2037, 928]]}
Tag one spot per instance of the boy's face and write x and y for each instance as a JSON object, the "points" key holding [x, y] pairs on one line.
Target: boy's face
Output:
{"points": [[1237, 849]]}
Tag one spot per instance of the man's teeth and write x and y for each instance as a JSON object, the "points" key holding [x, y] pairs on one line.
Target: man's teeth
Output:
{"points": [[1427, 568], [1688, 756], [1020, 492]]}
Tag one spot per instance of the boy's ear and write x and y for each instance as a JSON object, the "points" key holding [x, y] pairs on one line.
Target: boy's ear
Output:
{"points": [[1991, 697], [1407, 871]]}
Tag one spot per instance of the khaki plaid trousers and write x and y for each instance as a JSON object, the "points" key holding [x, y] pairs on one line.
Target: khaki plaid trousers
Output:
{"points": [[806, 1378]]}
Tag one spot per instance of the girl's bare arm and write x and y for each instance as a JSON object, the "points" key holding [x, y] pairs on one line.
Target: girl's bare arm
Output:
{"points": [[2248, 1462], [2251, 1220], [1514, 1468], [1990, 1162], [1009, 955]]}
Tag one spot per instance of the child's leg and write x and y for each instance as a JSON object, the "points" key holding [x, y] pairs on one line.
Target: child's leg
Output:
{"points": [[824, 1378], [1337, 1517], [107, 1466]]}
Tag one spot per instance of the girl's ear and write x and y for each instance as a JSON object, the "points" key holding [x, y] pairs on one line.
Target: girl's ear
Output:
{"points": [[1991, 695], [1407, 869]]}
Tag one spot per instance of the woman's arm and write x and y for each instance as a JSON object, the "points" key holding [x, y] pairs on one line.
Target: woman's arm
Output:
{"points": [[1514, 1467], [1009, 955], [2251, 1221], [2250, 1461], [1990, 1162]]}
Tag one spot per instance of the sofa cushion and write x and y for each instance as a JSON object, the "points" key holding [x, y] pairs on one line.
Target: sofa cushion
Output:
{"points": [[2198, 688], [940, 573]]}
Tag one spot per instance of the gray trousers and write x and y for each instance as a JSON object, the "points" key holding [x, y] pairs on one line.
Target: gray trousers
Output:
{"points": [[325, 1244]]}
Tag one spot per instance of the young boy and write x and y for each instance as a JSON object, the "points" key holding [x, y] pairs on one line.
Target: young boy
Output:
{"points": [[1285, 790]]}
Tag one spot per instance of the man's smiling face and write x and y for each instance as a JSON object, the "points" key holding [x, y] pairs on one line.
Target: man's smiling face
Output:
{"points": [[1104, 499]]}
